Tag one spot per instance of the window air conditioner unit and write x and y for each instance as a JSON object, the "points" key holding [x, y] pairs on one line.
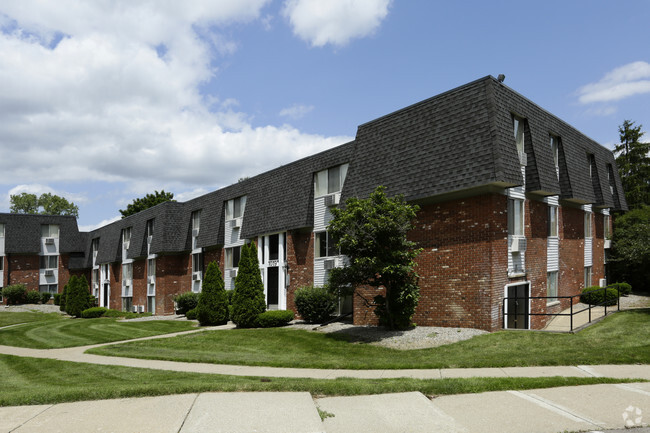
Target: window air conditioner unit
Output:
{"points": [[134, 308], [152, 279], [608, 243], [518, 245], [332, 200], [140, 308], [236, 223], [49, 272], [233, 273], [196, 276], [96, 285], [329, 264], [602, 282], [523, 158], [195, 233], [49, 241]]}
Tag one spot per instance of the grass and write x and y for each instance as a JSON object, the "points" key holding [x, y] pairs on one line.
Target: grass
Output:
{"points": [[8, 318], [30, 381], [66, 332], [618, 339]]}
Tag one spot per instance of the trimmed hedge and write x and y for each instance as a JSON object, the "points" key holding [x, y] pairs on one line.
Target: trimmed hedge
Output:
{"points": [[186, 301], [57, 299], [32, 297], [191, 315], [45, 297], [14, 294], [93, 312], [596, 295], [274, 318], [315, 304], [623, 288]]}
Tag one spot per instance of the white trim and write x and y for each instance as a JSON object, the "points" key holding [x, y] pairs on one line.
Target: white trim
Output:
{"points": [[505, 306]]}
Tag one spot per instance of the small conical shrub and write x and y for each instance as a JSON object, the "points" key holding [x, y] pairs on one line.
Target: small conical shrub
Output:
{"points": [[63, 298], [212, 308], [78, 297], [248, 300]]}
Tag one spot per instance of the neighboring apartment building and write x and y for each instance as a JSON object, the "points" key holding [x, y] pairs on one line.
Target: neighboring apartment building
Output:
{"points": [[513, 202]]}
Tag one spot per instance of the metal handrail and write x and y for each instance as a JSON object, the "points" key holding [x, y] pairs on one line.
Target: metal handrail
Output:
{"points": [[571, 313]]}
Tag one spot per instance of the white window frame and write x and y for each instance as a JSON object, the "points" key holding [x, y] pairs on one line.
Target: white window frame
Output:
{"points": [[588, 276], [229, 256], [516, 208], [322, 180], [518, 125], [607, 233], [196, 220], [46, 260], [328, 246], [555, 150], [52, 230], [587, 225], [197, 262], [2, 230], [552, 284], [553, 223], [126, 238]]}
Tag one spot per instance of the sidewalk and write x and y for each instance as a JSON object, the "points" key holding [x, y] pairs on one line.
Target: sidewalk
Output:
{"points": [[585, 408]]}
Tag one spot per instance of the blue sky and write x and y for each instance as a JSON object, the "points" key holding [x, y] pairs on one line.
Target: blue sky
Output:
{"points": [[105, 101]]}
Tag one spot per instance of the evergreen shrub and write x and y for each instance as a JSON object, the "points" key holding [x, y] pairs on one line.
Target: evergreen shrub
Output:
{"points": [[212, 308], [32, 297], [191, 315], [45, 297], [596, 295], [315, 304], [623, 288], [248, 300], [186, 301], [14, 294], [78, 298], [57, 299], [93, 312], [274, 318]]}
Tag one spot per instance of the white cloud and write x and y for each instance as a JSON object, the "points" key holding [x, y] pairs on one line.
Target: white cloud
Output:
{"points": [[117, 98], [296, 111], [623, 82], [91, 227], [39, 189], [334, 22]]}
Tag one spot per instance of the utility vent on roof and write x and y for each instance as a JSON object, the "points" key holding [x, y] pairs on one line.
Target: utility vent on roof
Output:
{"points": [[523, 158], [332, 200], [236, 223], [49, 272], [49, 241]]}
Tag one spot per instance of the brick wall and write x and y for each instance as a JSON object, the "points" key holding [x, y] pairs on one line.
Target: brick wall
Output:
{"points": [[173, 277], [300, 260], [23, 269]]}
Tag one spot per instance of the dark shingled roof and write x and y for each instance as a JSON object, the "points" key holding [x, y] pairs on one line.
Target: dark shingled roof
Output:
{"points": [[23, 233]]}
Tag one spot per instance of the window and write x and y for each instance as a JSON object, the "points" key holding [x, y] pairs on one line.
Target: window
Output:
{"points": [[196, 220], [126, 238], [518, 124], [592, 163], [2, 264], [610, 178], [552, 221], [197, 262], [48, 288], [515, 217], [150, 226], [330, 181], [232, 257], [235, 207], [551, 286], [587, 276], [606, 230], [127, 272], [49, 262], [95, 247], [555, 150], [49, 231], [2, 230], [151, 267], [587, 225], [325, 245]]}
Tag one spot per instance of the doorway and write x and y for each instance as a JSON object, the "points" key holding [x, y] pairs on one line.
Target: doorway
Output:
{"points": [[517, 306]]}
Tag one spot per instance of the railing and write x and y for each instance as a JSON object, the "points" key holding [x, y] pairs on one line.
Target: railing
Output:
{"points": [[571, 313]]}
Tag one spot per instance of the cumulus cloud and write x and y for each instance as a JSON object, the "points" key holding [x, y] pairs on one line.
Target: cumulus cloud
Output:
{"points": [[622, 82], [334, 22], [91, 227], [109, 91], [296, 111]]}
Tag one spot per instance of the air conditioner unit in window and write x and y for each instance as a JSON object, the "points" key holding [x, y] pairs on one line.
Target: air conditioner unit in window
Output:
{"points": [[196, 276], [134, 308], [233, 273], [96, 285], [49, 241], [608, 243], [49, 272], [236, 223], [602, 282], [195, 233], [523, 158], [329, 264], [332, 200], [140, 308], [518, 245], [152, 279]]}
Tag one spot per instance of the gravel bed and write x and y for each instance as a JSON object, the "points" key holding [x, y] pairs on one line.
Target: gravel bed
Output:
{"points": [[40, 308]]}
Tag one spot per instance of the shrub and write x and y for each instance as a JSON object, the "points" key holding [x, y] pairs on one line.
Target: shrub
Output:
{"points": [[212, 308], [57, 299], [64, 297], [191, 315], [623, 288], [274, 318], [78, 298], [595, 295], [93, 312], [32, 297], [45, 297], [186, 301], [315, 304], [248, 300], [14, 294]]}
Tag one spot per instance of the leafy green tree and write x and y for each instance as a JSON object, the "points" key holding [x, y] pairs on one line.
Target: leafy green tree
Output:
{"points": [[78, 296], [50, 204], [633, 160], [248, 300], [149, 200], [372, 234], [631, 248], [212, 308]]}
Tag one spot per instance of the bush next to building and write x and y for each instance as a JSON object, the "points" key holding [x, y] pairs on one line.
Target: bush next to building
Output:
{"points": [[315, 304], [186, 301], [57, 299], [93, 312], [623, 288], [191, 315], [45, 297], [78, 296], [248, 300], [596, 295], [274, 318], [63, 298], [32, 297], [212, 308], [14, 294]]}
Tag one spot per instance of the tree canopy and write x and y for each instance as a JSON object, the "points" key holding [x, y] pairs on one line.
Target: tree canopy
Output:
{"points": [[631, 248], [372, 234], [45, 204], [633, 160], [149, 200]]}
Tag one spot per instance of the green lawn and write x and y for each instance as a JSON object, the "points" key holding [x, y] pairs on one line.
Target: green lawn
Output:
{"points": [[619, 339], [8, 318], [30, 381], [67, 332]]}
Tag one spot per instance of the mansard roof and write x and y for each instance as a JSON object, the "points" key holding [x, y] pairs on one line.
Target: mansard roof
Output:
{"points": [[23, 233]]}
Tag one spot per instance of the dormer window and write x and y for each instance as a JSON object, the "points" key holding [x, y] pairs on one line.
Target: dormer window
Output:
{"points": [[126, 238], [235, 207], [49, 231], [518, 127], [555, 150], [330, 181], [587, 225], [150, 226], [2, 230], [95, 247]]}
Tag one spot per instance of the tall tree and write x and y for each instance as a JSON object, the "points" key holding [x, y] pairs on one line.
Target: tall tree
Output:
{"points": [[248, 300], [633, 160], [212, 308], [149, 200], [46, 204], [631, 250], [372, 234]]}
